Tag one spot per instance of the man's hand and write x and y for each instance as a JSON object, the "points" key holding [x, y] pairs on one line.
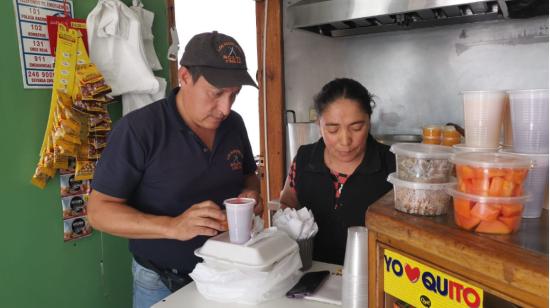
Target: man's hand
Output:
{"points": [[249, 193], [205, 218]]}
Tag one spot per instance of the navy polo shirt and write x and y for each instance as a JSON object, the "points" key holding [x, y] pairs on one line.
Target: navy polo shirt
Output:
{"points": [[156, 162]]}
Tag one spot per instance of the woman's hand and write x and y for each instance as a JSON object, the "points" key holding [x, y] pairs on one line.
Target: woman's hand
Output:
{"points": [[250, 193]]}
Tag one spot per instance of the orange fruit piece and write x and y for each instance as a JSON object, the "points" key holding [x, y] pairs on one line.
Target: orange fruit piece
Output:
{"points": [[495, 189], [494, 227], [519, 175], [496, 172], [512, 222], [480, 186], [464, 172], [467, 223], [512, 209], [507, 188], [486, 211], [462, 207]]}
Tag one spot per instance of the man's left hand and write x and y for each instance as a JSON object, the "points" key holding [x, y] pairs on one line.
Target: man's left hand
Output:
{"points": [[249, 193]]}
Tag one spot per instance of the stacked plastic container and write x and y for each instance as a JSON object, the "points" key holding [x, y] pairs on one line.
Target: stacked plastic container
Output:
{"points": [[443, 135], [528, 114], [422, 176], [489, 196]]}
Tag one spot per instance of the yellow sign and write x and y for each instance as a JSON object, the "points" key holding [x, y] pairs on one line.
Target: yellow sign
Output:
{"points": [[422, 286]]}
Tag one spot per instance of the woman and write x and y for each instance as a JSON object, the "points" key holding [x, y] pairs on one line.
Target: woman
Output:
{"points": [[340, 175]]}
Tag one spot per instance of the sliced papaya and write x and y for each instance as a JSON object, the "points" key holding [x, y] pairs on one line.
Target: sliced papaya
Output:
{"points": [[496, 172], [512, 222], [518, 191], [512, 209], [462, 206], [507, 188], [485, 211], [479, 172], [495, 188], [519, 175], [467, 223], [480, 186], [493, 227], [465, 172]]}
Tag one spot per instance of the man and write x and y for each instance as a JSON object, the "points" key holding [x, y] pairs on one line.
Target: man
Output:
{"points": [[168, 167]]}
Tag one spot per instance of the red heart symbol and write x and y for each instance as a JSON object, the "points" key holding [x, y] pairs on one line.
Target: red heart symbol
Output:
{"points": [[412, 273]]}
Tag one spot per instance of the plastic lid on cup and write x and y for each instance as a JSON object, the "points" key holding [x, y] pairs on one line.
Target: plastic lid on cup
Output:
{"points": [[490, 160], [420, 150]]}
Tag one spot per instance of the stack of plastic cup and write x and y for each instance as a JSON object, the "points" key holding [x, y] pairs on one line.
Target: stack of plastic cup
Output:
{"points": [[529, 117], [355, 278], [483, 117], [535, 184], [529, 112]]}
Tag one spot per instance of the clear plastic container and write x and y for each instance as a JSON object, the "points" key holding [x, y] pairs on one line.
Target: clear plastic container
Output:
{"points": [[431, 131], [423, 163], [421, 198], [434, 140], [450, 141], [450, 132], [491, 174], [529, 113], [462, 147], [536, 184], [495, 215], [483, 117]]}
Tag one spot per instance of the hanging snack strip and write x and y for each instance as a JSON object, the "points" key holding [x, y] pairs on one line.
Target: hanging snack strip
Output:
{"points": [[78, 122], [51, 153]]}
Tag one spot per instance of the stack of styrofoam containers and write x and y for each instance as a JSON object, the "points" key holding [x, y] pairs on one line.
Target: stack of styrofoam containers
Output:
{"points": [[529, 126], [422, 176], [489, 197]]}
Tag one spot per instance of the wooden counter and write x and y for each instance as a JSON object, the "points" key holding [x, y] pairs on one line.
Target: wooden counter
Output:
{"points": [[512, 267]]}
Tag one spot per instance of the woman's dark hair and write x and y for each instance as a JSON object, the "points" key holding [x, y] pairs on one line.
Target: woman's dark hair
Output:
{"points": [[343, 88]]}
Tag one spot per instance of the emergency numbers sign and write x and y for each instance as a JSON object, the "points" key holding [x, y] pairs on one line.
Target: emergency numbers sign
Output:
{"points": [[34, 47], [422, 286]]}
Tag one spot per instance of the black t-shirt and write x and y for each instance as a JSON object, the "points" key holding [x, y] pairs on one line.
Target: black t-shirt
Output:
{"points": [[314, 186], [156, 162]]}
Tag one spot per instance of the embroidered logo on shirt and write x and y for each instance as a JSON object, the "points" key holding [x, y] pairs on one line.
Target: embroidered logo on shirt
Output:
{"points": [[235, 159]]}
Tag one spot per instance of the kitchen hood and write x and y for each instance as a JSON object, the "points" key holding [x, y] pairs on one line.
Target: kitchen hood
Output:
{"points": [[351, 17]]}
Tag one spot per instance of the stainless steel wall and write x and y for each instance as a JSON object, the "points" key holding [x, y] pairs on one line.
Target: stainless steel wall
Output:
{"points": [[417, 75]]}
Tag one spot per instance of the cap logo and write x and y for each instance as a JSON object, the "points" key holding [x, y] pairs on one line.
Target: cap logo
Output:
{"points": [[230, 52]]}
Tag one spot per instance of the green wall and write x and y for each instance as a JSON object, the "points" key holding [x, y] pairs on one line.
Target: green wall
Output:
{"points": [[37, 269]]}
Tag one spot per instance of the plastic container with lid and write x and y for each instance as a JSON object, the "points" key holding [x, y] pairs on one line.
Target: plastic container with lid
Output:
{"points": [[431, 131], [260, 255], [435, 140], [462, 147], [536, 184], [420, 198], [491, 174], [450, 141], [423, 163], [495, 215]]}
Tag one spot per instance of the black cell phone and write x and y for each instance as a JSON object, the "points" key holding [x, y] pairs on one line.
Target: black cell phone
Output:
{"points": [[308, 284]]}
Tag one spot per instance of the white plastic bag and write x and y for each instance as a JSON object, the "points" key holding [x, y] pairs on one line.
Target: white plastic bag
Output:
{"points": [[251, 287]]}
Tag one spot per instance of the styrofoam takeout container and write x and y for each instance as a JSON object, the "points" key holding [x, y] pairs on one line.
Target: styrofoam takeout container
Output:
{"points": [[423, 163], [427, 199], [260, 256]]}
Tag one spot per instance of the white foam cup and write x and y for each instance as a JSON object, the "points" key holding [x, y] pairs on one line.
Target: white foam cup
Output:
{"points": [[239, 218]]}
